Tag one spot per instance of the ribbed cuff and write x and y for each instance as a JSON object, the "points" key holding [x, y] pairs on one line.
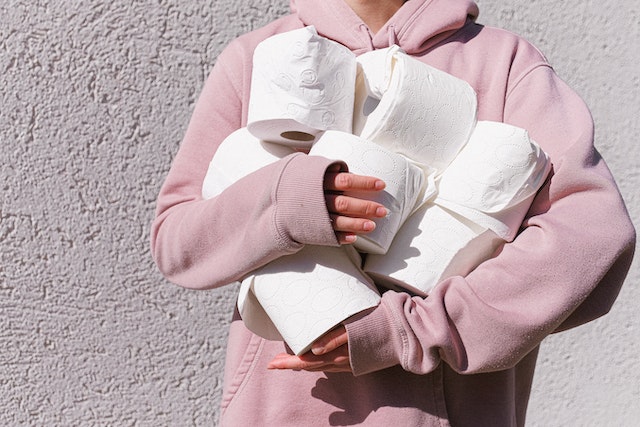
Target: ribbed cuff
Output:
{"points": [[374, 341], [301, 212]]}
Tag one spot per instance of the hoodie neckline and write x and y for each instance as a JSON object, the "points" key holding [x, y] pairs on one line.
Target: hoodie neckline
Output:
{"points": [[416, 26]]}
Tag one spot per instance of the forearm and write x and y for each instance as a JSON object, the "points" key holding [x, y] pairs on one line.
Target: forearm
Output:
{"points": [[272, 212], [207, 243], [492, 318], [577, 242]]}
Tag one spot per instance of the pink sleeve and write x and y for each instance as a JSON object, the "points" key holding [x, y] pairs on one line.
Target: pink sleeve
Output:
{"points": [[203, 244], [564, 268]]}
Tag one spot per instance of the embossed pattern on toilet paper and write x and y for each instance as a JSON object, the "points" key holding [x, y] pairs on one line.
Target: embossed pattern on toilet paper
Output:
{"points": [[423, 113], [500, 167], [432, 244], [404, 182], [301, 84], [494, 178]]}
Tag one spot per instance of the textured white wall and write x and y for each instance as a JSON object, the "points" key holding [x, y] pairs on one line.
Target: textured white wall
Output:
{"points": [[95, 96]]}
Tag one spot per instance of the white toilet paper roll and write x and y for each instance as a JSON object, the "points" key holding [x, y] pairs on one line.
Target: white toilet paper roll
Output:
{"points": [[412, 108], [301, 84], [238, 155], [302, 296], [433, 244], [494, 178], [405, 182]]}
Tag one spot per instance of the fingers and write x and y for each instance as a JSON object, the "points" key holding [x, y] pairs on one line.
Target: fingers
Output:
{"points": [[352, 225], [336, 361], [346, 238], [350, 215], [330, 353], [345, 181], [347, 228], [330, 341], [354, 207]]}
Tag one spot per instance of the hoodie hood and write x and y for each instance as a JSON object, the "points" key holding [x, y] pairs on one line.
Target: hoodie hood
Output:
{"points": [[415, 27]]}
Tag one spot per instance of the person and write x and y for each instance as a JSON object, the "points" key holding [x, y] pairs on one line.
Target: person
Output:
{"points": [[465, 354]]}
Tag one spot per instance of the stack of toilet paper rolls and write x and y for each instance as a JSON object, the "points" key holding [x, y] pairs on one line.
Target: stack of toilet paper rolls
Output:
{"points": [[482, 176], [456, 188]]}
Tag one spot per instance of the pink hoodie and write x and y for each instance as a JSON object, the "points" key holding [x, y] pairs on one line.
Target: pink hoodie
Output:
{"points": [[463, 356]]}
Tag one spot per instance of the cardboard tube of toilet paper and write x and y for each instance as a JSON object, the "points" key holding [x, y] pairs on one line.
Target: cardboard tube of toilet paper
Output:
{"points": [[405, 182], [432, 245], [493, 180], [412, 108], [301, 85], [238, 155], [300, 297]]}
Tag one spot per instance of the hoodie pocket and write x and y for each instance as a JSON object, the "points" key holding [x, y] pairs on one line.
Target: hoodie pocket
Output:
{"points": [[243, 351]]}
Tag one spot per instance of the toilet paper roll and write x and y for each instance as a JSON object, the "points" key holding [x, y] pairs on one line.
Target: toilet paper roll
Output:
{"points": [[405, 183], [432, 245], [301, 84], [302, 296], [494, 178], [238, 155], [412, 108]]}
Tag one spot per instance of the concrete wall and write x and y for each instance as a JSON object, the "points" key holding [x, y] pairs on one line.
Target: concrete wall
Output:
{"points": [[95, 97]]}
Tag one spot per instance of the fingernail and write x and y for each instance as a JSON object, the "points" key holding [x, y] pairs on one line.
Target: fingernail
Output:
{"points": [[380, 185], [381, 212], [351, 238], [368, 226], [317, 350]]}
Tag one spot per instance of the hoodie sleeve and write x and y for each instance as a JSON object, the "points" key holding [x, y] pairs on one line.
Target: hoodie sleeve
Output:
{"points": [[565, 267], [203, 244]]}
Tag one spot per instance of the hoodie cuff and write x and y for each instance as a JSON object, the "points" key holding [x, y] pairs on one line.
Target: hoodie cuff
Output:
{"points": [[375, 342], [301, 213]]}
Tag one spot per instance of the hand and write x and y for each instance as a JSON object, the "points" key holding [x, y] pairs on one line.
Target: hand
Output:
{"points": [[330, 353], [350, 215]]}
